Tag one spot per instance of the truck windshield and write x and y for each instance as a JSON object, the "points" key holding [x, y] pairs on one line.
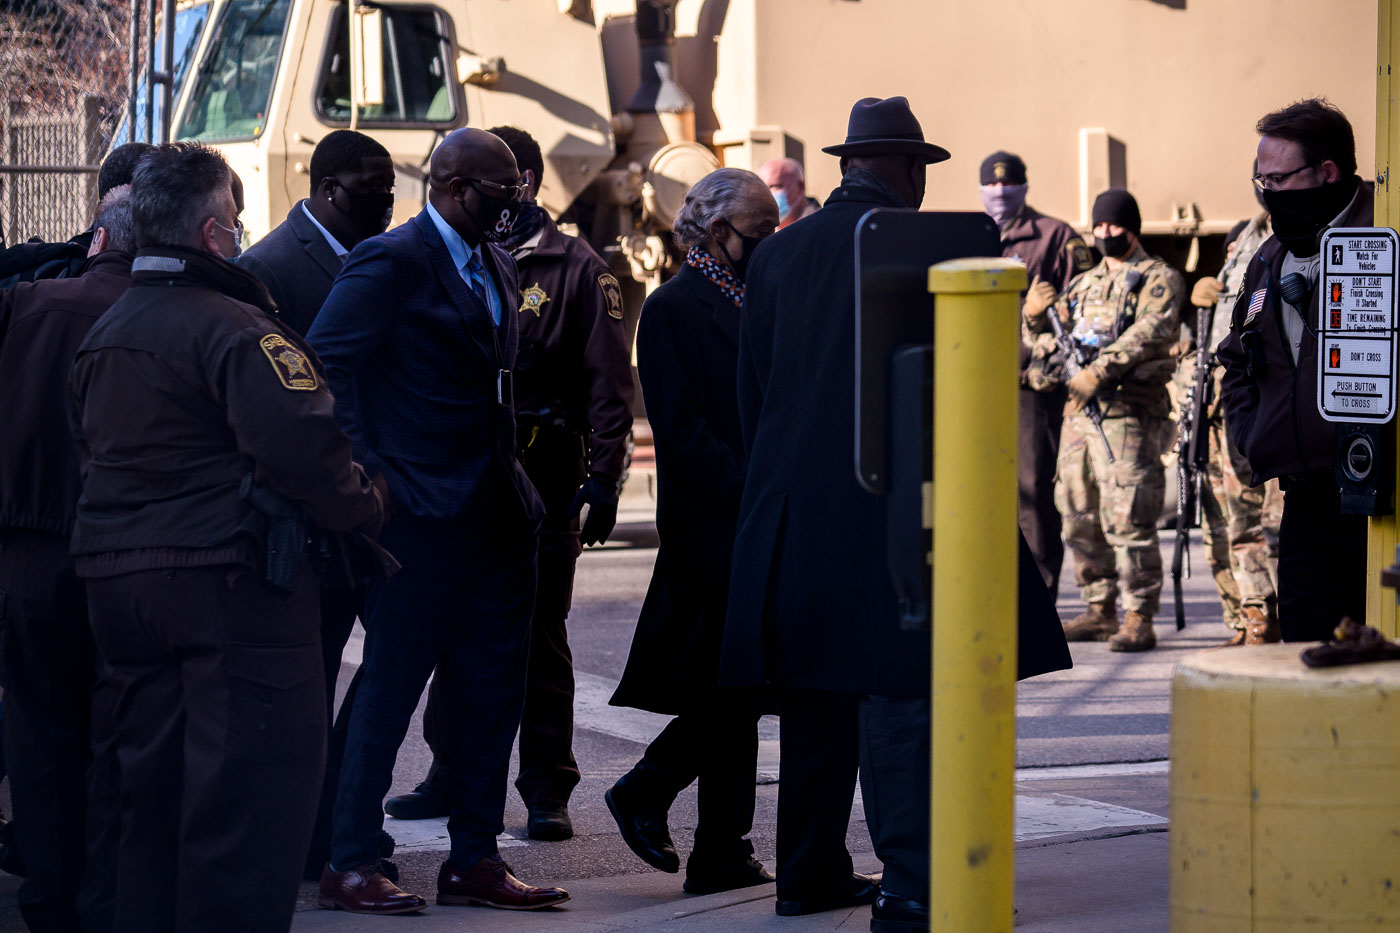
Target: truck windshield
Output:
{"points": [[233, 84], [189, 24]]}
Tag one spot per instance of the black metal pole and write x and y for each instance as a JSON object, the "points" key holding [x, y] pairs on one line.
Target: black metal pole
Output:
{"points": [[150, 66], [167, 70], [134, 67]]}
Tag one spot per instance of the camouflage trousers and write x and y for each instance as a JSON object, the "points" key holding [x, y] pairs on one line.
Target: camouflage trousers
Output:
{"points": [[1110, 510], [1240, 524]]}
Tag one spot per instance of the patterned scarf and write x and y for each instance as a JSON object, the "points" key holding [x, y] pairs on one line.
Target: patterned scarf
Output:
{"points": [[718, 273]]}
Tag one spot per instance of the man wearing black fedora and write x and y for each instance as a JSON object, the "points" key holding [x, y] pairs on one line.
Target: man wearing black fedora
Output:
{"points": [[812, 606]]}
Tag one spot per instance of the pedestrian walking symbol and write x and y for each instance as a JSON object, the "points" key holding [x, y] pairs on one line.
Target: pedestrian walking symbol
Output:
{"points": [[1356, 310]]}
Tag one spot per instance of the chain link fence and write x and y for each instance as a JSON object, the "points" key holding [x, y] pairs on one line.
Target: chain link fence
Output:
{"points": [[65, 79]]}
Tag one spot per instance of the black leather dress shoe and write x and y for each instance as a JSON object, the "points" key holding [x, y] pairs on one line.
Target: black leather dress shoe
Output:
{"points": [[549, 822], [645, 832], [862, 889], [894, 914], [711, 878], [424, 803]]}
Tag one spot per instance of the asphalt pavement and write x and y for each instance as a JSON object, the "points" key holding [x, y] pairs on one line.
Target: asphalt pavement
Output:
{"points": [[1091, 788]]}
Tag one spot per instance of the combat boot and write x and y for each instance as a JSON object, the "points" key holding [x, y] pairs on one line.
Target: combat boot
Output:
{"points": [[1259, 628], [1135, 635], [1096, 623]]}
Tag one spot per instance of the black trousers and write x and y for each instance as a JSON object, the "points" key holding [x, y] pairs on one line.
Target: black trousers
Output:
{"points": [[220, 730], [824, 736], [894, 780], [458, 611], [1042, 414], [717, 743], [548, 770], [1321, 561], [340, 606], [49, 675], [820, 736]]}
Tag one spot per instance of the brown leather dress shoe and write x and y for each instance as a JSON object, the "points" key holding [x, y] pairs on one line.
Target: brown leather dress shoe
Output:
{"points": [[365, 890], [490, 884]]}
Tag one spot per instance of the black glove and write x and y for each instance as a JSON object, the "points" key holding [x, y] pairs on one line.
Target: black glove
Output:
{"points": [[599, 493]]}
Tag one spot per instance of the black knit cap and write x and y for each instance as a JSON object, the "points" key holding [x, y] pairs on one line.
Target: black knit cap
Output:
{"points": [[1117, 206], [1004, 167]]}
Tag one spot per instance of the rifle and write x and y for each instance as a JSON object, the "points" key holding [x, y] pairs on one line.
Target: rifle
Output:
{"points": [[1192, 450], [1077, 356]]}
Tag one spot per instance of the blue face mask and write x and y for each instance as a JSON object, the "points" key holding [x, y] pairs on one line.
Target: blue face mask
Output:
{"points": [[784, 208]]}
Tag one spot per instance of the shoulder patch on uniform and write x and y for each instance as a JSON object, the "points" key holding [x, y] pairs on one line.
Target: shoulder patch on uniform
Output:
{"points": [[532, 299], [1256, 304], [1079, 254], [612, 293], [291, 365], [1158, 290]]}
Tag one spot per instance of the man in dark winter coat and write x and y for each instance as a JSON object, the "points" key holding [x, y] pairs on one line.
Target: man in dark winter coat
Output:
{"points": [[812, 608], [1307, 173], [48, 651]]}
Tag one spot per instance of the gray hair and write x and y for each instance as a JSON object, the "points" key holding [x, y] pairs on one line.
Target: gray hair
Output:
{"points": [[174, 190], [114, 217], [716, 196]]}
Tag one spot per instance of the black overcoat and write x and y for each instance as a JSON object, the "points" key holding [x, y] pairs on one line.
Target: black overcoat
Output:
{"points": [[811, 600], [687, 348]]}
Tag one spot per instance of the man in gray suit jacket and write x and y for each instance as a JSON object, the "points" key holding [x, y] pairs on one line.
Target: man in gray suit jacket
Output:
{"points": [[352, 199]]}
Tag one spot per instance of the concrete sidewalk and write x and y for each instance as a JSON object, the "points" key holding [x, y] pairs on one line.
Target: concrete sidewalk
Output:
{"points": [[1103, 881]]}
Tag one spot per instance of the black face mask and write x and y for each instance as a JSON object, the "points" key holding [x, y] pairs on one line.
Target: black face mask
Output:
{"points": [[1114, 247], [369, 212], [494, 216], [1299, 216], [741, 265]]}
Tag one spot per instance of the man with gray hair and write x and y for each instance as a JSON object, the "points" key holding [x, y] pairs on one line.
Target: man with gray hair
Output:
{"points": [[48, 670], [785, 180], [210, 455]]}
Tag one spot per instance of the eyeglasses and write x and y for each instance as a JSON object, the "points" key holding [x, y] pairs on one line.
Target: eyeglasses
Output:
{"points": [[516, 192], [237, 232], [1272, 182]]}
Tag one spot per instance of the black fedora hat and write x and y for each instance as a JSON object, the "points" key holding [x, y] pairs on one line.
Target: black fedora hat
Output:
{"points": [[886, 127]]}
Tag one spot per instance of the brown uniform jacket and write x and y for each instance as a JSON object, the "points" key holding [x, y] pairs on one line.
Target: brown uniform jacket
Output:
{"points": [[1272, 409], [186, 385], [1050, 249], [42, 323], [573, 360]]}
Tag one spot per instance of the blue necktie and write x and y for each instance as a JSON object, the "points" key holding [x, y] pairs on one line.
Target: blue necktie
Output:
{"points": [[476, 281]]}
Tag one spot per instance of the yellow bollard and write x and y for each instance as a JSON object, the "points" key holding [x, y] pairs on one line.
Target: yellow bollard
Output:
{"points": [[1380, 547], [976, 390]]}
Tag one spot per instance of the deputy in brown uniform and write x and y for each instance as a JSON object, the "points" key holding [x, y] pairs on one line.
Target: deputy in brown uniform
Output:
{"points": [[48, 652], [1053, 254], [573, 409], [199, 420]]}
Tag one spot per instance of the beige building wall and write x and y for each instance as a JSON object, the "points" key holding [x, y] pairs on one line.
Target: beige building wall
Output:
{"points": [[1179, 83]]}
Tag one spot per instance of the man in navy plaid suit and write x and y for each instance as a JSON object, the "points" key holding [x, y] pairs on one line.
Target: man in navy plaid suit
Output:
{"points": [[418, 345]]}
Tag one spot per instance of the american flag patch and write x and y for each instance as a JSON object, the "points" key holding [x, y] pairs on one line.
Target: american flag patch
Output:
{"points": [[1256, 304]]}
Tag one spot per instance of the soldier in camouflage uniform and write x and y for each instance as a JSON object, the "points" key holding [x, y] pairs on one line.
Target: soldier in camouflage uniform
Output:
{"points": [[1126, 310], [1241, 521]]}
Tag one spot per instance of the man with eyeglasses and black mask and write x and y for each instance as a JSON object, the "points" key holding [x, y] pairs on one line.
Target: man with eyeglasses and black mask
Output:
{"points": [[1124, 314], [573, 416], [419, 339], [1053, 254], [1307, 174]]}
